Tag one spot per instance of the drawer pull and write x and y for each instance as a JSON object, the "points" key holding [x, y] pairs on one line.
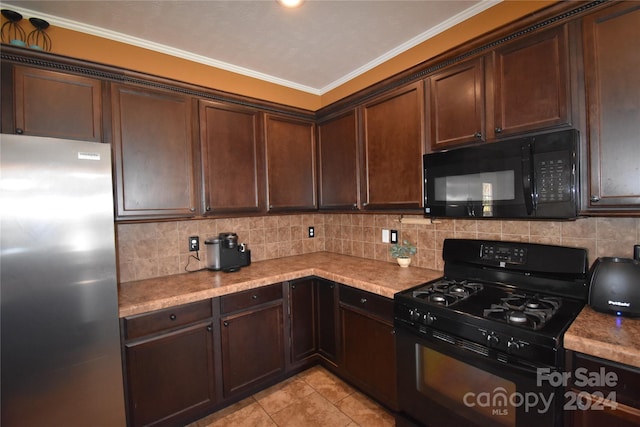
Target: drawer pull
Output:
{"points": [[254, 296], [363, 300], [173, 316], [225, 323]]}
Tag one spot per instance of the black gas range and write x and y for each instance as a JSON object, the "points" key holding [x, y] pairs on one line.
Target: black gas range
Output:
{"points": [[500, 311]]}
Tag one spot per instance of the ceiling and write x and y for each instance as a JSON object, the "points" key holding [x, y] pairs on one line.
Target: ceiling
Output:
{"points": [[314, 48]]}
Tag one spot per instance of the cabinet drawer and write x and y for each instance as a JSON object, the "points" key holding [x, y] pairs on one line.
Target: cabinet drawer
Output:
{"points": [[376, 305], [250, 298], [168, 318], [626, 379]]}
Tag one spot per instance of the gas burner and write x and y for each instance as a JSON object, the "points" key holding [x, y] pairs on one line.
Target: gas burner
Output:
{"points": [[529, 302], [516, 317], [530, 311], [447, 292]]}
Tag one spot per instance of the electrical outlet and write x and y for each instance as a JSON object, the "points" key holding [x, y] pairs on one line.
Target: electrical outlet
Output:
{"points": [[194, 243], [385, 236], [394, 236], [312, 232]]}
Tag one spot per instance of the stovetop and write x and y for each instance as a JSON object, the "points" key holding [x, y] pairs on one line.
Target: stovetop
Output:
{"points": [[510, 298], [504, 319], [500, 303]]}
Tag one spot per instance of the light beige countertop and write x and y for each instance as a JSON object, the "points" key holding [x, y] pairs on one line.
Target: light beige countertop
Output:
{"points": [[605, 336], [378, 277]]}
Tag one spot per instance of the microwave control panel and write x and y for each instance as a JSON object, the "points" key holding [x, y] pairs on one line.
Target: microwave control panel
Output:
{"points": [[553, 177], [511, 255]]}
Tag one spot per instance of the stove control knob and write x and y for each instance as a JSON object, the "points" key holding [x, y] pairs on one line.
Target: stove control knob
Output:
{"points": [[414, 314], [513, 344], [429, 318], [492, 338]]}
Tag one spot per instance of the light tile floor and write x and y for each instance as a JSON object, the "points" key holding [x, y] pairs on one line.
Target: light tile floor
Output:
{"points": [[312, 398]]}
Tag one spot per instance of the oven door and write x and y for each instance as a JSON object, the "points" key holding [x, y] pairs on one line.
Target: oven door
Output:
{"points": [[445, 381]]}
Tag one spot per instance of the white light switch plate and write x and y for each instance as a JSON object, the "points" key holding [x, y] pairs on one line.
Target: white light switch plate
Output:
{"points": [[385, 236]]}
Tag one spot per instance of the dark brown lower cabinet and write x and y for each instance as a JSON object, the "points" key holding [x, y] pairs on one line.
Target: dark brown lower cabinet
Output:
{"points": [[327, 320], [312, 311], [170, 375], [368, 343], [185, 361], [302, 313], [252, 339], [601, 393]]}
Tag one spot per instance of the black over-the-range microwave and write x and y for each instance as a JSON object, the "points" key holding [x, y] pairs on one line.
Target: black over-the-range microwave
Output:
{"points": [[528, 177]]}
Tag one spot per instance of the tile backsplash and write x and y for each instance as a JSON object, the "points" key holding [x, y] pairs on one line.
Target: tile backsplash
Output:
{"points": [[148, 250]]}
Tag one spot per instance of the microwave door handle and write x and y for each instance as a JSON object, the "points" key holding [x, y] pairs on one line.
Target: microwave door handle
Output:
{"points": [[527, 178]]}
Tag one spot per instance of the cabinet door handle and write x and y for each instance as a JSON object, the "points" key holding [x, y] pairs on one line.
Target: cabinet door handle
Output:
{"points": [[209, 328], [331, 286], [192, 209], [293, 286], [595, 198], [363, 300], [478, 135], [208, 208], [393, 332], [225, 323], [172, 316], [498, 130], [19, 131]]}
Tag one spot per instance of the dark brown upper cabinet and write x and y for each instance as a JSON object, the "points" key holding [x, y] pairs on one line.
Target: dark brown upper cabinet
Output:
{"points": [[232, 158], [531, 83], [57, 105], [456, 105], [291, 163], [153, 144], [338, 162], [611, 64], [393, 146]]}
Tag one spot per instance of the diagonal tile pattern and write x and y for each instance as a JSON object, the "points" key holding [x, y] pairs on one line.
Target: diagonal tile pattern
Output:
{"points": [[312, 398]]}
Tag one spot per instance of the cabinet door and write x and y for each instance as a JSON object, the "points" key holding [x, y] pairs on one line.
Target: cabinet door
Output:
{"points": [[338, 159], [368, 343], [58, 105], [605, 393], [232, 158], [613, 107], [393, 142], [170, 376], [302, 310], [291, 164], [531, 83], [252, 348], [600, 414], [327, 312], [456, 105], [153, 153]]}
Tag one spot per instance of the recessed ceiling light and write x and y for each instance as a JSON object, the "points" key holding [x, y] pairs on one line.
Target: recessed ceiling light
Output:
{"points": [[290, 3]]}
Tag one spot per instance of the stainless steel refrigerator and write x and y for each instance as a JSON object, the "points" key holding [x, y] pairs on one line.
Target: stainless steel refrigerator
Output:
{"points": [[61, 362]]}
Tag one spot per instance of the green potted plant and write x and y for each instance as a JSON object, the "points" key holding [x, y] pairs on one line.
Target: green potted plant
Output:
{"points": [[402, 252]]}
